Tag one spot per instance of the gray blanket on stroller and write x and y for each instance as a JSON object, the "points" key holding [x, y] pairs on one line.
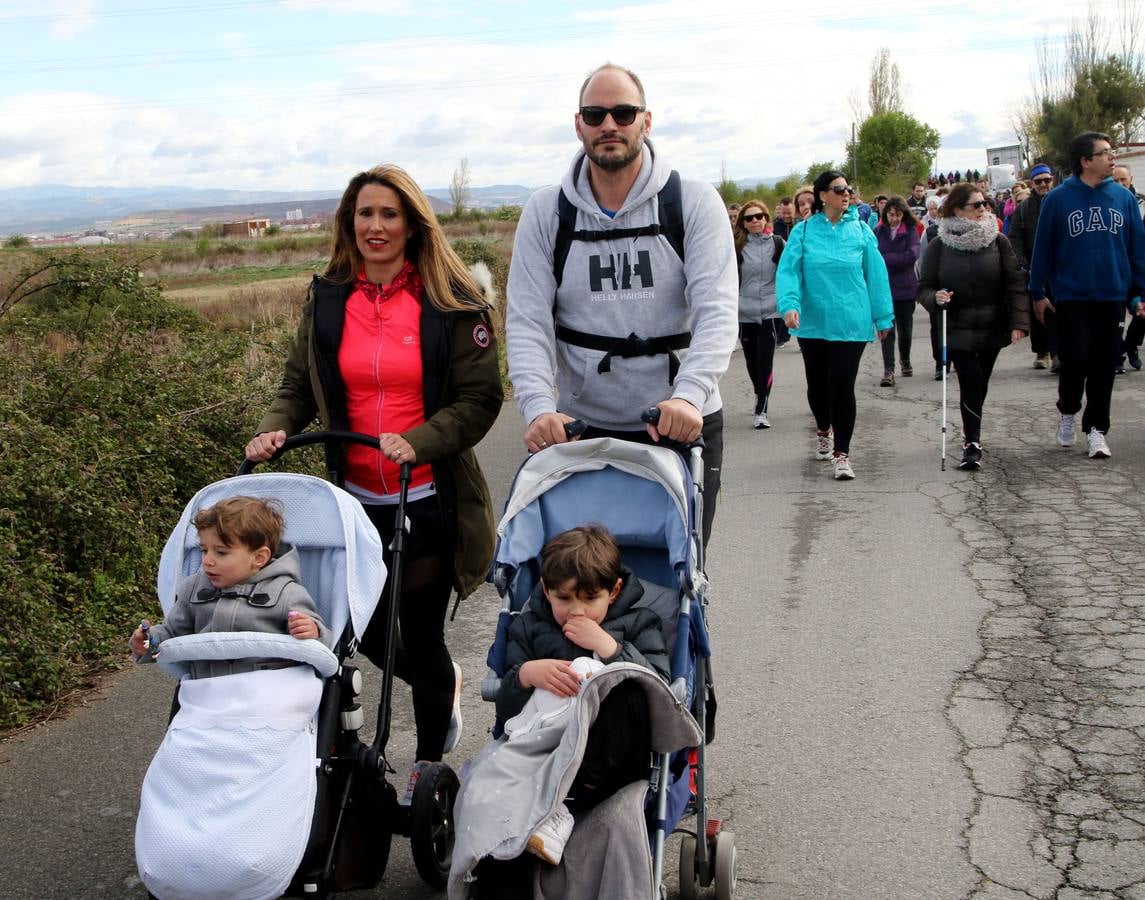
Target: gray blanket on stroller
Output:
{"points": [[512, 785]]}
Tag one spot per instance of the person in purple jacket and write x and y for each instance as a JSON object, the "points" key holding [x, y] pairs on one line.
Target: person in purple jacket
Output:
{"points": [[897, 233], [1090, 245]]}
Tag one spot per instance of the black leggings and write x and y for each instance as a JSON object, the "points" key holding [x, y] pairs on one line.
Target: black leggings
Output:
{"points": [[904, 325], [973, 368], [759, 342], [422, 660], [831, 368]]}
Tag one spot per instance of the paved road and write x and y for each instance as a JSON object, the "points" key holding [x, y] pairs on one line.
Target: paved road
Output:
{"points": [[931, 684]]}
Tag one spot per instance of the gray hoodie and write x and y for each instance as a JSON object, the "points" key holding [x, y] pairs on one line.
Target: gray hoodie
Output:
{"points": [[615, 288], [757, 280]]}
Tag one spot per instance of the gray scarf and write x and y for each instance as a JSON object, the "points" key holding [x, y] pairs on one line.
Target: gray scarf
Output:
{"points": [[969, 234]]}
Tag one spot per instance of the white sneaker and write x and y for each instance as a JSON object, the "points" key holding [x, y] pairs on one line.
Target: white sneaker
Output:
{"points": [[548, 841], [823, 444], [760, 421], [453, 735], [1098, 449], [414, 774], [843, 470], [1066, 435]]}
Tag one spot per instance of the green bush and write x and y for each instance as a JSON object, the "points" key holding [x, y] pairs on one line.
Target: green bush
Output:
{"points": [[16, 240], [117, 406]]}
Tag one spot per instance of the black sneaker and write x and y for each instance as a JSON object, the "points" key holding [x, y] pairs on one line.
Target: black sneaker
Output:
{"points": [[971, 456], [1134, 357], [1055, 365]]}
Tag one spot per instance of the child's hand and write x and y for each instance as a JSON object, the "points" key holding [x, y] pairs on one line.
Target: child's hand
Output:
{"points": [[553, 675], [139, 642], [301, 625], [586, 633]]}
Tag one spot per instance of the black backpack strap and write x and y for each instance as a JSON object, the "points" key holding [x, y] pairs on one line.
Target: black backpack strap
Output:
{"points": [[670, 206], [779, 243], [628, 347]]}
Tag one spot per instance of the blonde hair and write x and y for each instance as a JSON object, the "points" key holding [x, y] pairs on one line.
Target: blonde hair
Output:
{"points": [[447, 280]]}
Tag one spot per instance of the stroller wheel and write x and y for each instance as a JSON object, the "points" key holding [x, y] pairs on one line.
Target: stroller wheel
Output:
{"points": [[725, 865], [689, 877], [432, 829]]}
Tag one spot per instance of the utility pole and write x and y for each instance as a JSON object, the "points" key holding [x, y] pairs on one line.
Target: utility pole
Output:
{"points": [[854, 157]]}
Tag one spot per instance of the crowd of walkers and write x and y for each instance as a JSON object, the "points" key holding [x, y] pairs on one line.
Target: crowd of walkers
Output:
{"points": [[996, 267]]}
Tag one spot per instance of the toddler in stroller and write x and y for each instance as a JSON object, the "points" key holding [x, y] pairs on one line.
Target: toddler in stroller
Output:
{"points": [[648, 499], [247, 583], [262, 786]]}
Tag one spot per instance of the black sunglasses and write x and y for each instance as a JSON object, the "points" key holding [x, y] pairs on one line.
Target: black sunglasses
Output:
{"points": [[977, 204], [621, 115], [1046, 180], [753, 217], [840, 189]]}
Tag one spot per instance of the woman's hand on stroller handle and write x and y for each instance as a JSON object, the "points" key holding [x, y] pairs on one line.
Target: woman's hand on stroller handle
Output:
{"points": [[263, 446], [554, 675]]}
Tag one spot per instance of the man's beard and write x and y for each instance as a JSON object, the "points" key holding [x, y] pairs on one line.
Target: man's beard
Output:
{"points": [[613, 162]]}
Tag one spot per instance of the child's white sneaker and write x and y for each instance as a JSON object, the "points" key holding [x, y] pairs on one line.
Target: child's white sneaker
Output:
{"points": [[548, 841]]}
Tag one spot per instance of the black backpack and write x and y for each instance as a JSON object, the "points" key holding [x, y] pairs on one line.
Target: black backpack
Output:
{"points": [[670, 208]]}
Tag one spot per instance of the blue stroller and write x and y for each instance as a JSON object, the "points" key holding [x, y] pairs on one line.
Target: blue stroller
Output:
{"points": [[649, 498]]}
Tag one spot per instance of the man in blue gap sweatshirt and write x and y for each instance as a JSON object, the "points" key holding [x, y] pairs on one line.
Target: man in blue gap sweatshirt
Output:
{"points": [[1090, 244]]}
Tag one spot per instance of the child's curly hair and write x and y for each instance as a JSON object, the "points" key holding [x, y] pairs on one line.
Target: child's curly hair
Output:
{"points": [[249, 521], [587, 555]]}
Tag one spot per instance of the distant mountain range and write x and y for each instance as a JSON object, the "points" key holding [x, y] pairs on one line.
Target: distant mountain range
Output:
{"points": [[61, 208]]}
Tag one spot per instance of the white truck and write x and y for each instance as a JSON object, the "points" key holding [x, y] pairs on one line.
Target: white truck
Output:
{"points": [[1003, 164]]}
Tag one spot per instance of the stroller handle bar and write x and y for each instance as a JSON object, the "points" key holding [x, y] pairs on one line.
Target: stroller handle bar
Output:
{"points": [[651, 416], [307, 438]]}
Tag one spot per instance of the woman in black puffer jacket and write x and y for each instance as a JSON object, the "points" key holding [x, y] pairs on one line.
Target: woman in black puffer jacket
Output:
{"points": [[971, 271]]}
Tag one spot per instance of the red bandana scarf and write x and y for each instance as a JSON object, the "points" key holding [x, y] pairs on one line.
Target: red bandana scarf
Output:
{"points": [[407, 279]]}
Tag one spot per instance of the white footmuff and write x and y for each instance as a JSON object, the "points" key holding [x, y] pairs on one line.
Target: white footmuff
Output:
{"points": [[228, 800]]}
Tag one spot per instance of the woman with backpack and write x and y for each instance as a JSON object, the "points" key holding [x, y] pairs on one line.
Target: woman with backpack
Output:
{"points": [[760, 327], [897, 233], [971, 271]]}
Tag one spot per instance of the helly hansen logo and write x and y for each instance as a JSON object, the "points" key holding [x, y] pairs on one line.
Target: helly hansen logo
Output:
{"points": [[619, 271], [1097, 219]]}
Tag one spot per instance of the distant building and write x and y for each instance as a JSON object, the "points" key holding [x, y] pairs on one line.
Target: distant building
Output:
{"points": [[294, 215], [247, 228]]}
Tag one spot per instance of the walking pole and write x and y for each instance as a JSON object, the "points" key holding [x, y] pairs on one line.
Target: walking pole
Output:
{"points": [[943, 462]]}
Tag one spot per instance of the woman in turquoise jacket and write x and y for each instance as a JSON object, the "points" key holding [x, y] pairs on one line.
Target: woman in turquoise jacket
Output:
{"points": [[834, 294]]}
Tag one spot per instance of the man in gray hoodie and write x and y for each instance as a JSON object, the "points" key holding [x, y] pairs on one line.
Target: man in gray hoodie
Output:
{"points": [[596, 338]]}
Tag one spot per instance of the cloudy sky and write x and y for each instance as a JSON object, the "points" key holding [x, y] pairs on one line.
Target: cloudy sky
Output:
{"points": [[300, 94]]}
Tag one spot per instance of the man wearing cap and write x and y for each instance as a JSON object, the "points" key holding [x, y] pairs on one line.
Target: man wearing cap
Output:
{"points": [[1023, 227], [623, 292], [1090, 246]]}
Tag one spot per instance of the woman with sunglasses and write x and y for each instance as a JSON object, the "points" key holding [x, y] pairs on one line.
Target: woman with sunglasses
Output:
{"points": [[760, 328], [834, 295], [897, 234], [972, 272]]}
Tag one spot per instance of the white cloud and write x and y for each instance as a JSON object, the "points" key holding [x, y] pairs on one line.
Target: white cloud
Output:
{"points": [[74, 17]]}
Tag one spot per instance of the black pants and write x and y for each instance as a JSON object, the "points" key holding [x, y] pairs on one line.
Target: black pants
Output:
{"points": [[1044, 338], [1089, 346], [831, 368], [759, 342], [904, 325], [973, 368], [712, 432], [1135, 333], [617, 753], [422, 660]]}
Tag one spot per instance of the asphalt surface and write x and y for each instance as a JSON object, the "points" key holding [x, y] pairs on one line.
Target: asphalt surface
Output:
{"points": [[931, 683]]}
